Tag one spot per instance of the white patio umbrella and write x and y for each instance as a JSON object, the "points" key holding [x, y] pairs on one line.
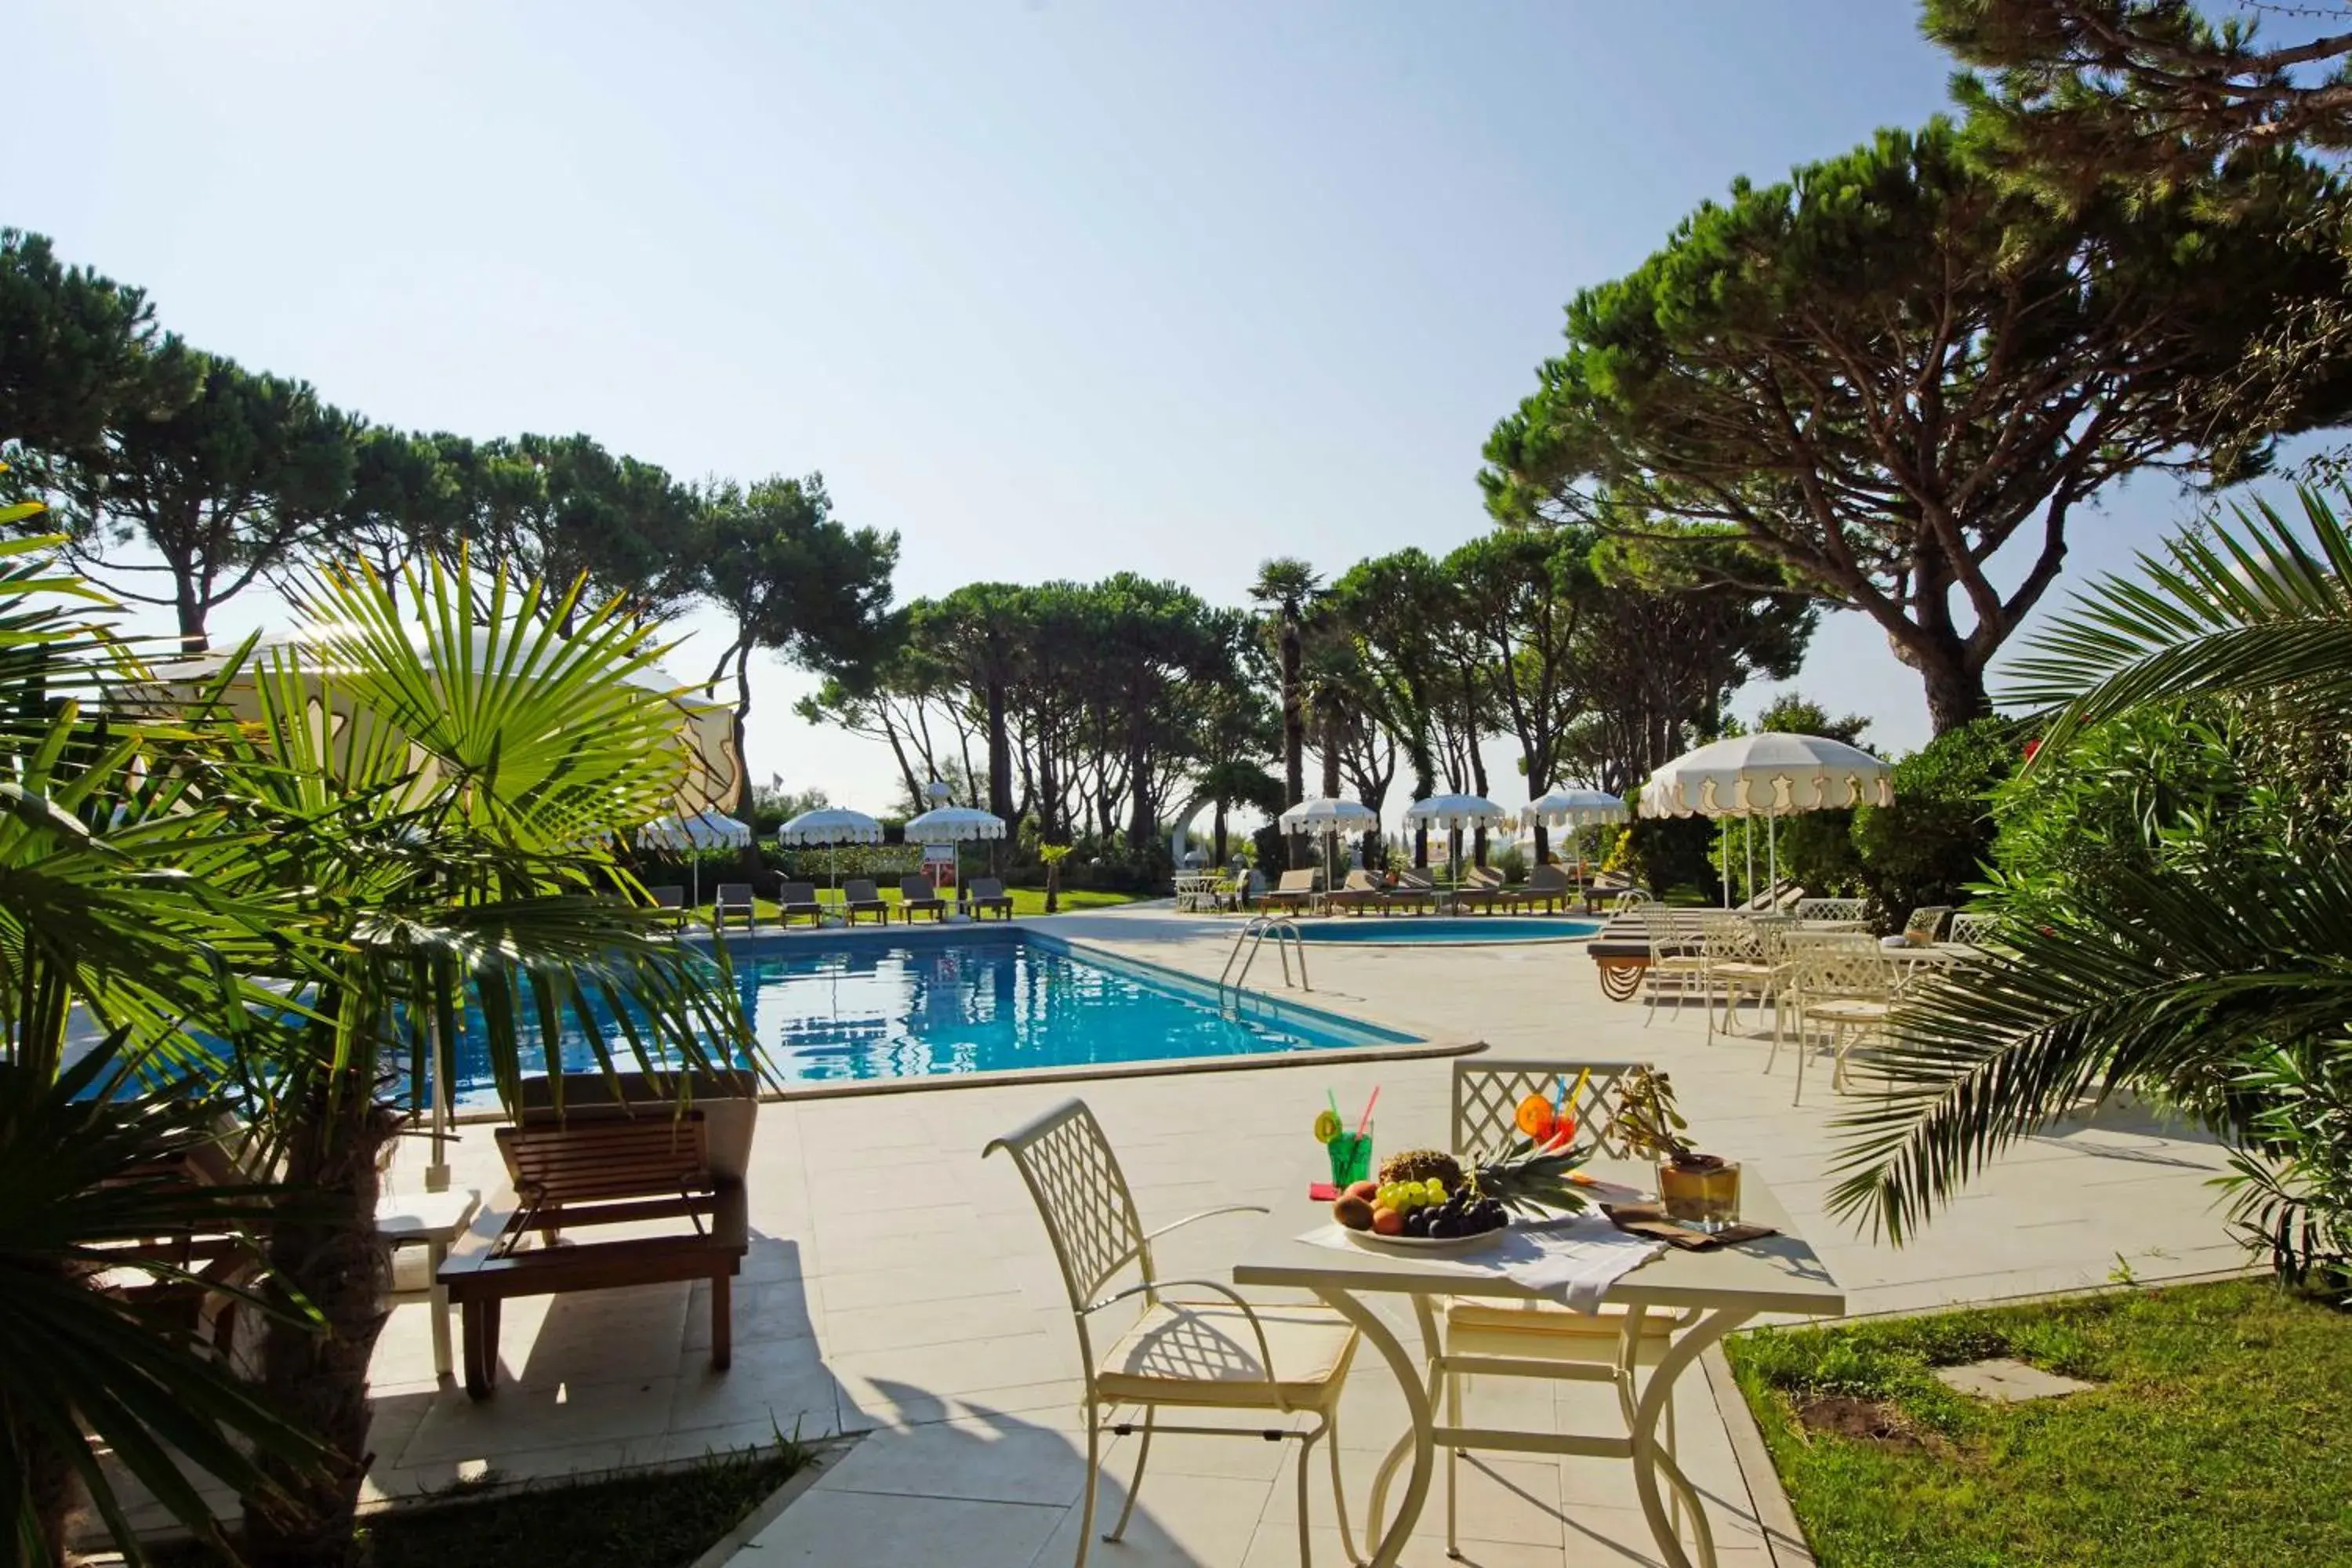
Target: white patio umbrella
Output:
{"points": [[954, 825], [1327, 818], [833, 825], [712, 829], [1574, 809], [1772, 776], [1453, 813]]}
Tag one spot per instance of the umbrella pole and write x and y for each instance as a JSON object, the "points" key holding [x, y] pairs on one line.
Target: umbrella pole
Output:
{"points": [[1772, 843], [1748, 842]]}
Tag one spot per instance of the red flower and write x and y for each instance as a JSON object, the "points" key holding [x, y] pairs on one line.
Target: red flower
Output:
{"points": [[2032, 746]]}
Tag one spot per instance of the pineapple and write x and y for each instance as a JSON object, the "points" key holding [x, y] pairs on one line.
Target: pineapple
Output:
{"points": [[1420, 1165], [1526, 1179]]}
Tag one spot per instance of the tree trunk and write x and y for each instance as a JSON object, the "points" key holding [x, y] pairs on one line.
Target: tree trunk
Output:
{"points": [[1479, 784], [1294, 739], [1000, 755], [320, 1380], [48, 1481], [739, 799], [1956, 688], [191, 612], [1543, 844], [1218, 838]]}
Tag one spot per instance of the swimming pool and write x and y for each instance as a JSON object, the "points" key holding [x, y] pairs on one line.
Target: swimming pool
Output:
{"points": [[948, 1002], [1417, 931]]}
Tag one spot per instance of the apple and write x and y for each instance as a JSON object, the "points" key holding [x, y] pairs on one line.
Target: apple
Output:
{"points": [[1387, 1222], [1368, 1191]]}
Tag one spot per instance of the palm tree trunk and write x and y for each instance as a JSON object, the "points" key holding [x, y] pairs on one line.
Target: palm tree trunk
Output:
{"points": [[319, 1379]]}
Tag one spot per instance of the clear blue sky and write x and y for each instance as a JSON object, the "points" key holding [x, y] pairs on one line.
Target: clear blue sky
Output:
{"points": [[1053, 289]]}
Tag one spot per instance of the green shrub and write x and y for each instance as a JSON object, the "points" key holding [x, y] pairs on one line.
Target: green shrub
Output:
{"points": [[1669, 852], [1932, 843], [1511, 861]]}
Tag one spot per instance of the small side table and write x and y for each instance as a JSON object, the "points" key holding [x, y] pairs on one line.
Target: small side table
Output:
{"points": [[434, 1221]]}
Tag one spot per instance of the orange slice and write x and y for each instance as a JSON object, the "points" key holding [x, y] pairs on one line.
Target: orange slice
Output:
{"points": [[1535, 1117]]}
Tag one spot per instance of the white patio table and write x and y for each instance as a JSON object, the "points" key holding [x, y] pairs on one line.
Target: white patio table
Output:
{"points": [[1778, 1274]]}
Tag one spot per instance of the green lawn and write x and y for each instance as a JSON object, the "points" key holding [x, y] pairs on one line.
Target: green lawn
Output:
{"points": [[1025, 902], [2219, 1435], [664, 1521]]}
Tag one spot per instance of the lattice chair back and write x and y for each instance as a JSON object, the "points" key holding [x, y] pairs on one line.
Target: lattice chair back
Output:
{"points": [[1729, 938], [1831, 908], [1974, 929], [1854, 969], [1667, 931], [1081, 1196], [1488, 1091]]}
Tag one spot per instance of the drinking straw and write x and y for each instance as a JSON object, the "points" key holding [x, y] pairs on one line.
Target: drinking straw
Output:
{"points": [[1332, 1101], [1367, 1119]]}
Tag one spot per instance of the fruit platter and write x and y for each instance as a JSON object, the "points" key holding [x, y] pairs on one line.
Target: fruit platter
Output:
{"points": [[1428, 1200]]}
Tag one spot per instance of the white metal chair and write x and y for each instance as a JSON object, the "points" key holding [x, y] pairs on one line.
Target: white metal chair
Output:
{"points": [[1539, 1340], [1222, 1354], [1733, 949], [1973, 930], [1677, 959], [1833, 909], [1845, 985]]}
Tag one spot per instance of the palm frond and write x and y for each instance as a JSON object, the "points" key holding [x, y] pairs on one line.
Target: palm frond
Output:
{"points": [[82, 1161], [2167, 977], [2253, 607]]}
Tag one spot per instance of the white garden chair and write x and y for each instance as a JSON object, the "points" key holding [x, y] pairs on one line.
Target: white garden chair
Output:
{"points": [[1677, 959], [1536, 1339], [1736, 966], [1843, 985], [1973, 930], [1219, 1354], [1853, 910]]}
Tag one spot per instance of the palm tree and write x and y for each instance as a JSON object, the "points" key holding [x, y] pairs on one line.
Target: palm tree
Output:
{"points": [[2216, 978], [81, 1162], [1285, 585], [447, 836]]}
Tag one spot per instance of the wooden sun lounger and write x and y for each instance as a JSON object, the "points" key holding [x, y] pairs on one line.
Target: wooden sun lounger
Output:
{"points": [[1547, 886], [1361, 891], [858, 898], [916, 893], [1621, 950], [670, 897], [734, 899], [986, 894], [594, 1171], [798, 899], [1296, 891], [1482, 889]]}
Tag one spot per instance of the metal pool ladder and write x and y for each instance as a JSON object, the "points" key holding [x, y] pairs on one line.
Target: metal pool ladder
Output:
{"points": [[1284, 932]]}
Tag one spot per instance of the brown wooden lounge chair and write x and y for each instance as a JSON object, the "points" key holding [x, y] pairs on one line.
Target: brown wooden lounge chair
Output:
{"points": [[858, 898], [607, 1163], [1361, 891], [916, 894], [734, 899], [1481, 890], [1415, 892], [1296, 891], [799, 898], [986, 894], [1548, 886], [670, 897]]}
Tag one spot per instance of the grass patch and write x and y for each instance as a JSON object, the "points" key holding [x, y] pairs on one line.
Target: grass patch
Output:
{"points": [[2218, 1434], [663, 1520]]}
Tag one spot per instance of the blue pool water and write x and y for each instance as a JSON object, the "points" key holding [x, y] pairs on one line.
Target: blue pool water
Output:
{"points": [[832, 1008], [1421, 930]]}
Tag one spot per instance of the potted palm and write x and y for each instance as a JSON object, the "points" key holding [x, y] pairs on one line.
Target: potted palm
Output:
{"points": [[1696, 1189]]}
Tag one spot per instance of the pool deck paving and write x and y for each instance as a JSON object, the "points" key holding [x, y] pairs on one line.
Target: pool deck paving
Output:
{"points": [[900, 1286]]}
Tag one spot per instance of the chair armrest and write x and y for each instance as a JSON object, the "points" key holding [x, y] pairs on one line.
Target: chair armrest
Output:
{"points": [[1206, 1214], [1264, 1351]]}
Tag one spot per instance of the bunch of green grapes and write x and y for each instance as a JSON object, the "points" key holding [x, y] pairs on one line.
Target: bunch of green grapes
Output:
{"points": [[1406, 1197]]}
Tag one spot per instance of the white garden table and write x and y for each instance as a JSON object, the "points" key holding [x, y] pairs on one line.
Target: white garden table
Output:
{"points": [[1778, 1274]]}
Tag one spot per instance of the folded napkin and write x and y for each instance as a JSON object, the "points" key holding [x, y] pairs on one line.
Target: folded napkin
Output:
{"points": [[1649, 1219]]}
